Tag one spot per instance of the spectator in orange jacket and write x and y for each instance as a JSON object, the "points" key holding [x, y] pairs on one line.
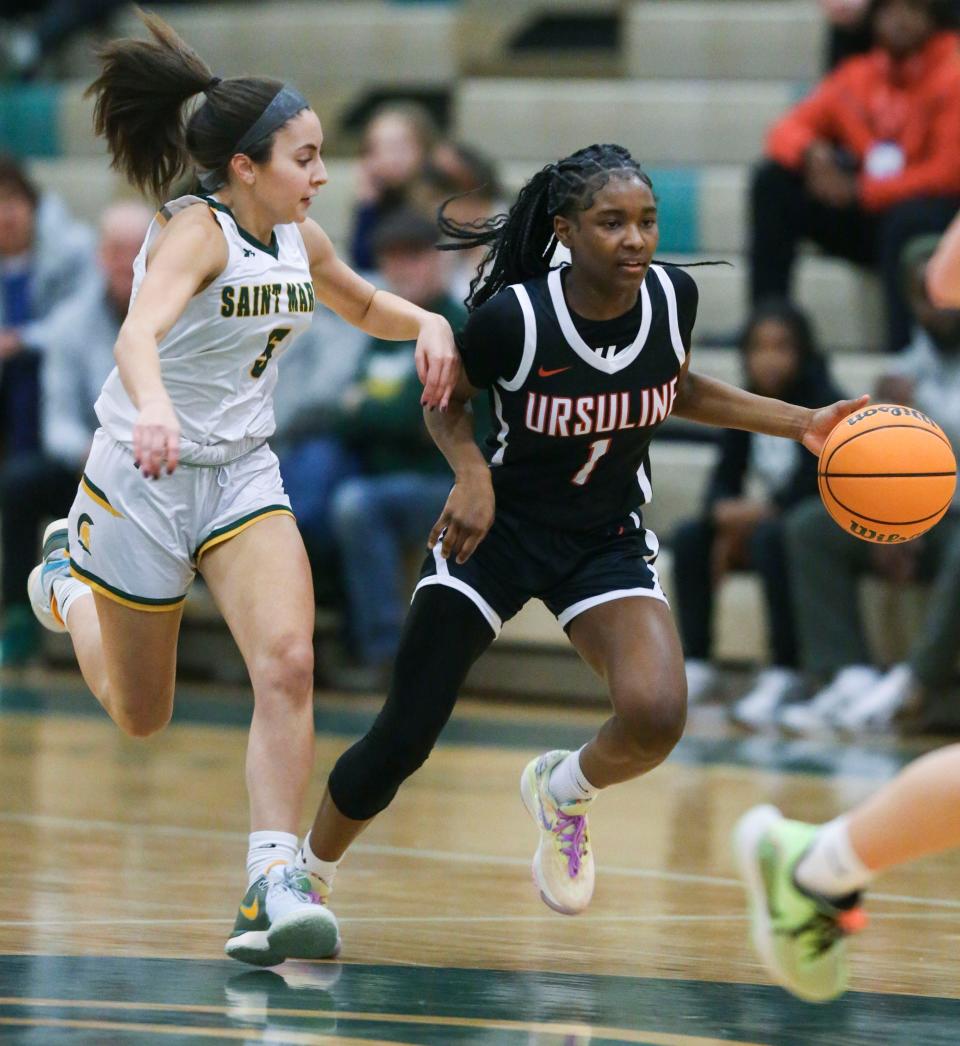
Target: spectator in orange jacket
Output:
{"points": [[869, 160]]}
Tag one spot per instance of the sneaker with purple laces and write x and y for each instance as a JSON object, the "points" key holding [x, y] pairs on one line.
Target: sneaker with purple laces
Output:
{"points": [[563, 868]]}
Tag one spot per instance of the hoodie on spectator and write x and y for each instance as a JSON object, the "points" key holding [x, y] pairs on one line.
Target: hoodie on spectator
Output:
{"points": [[911, 105]]}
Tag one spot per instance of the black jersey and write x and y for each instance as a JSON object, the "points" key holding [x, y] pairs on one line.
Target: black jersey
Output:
{"points": [[575, 402]]}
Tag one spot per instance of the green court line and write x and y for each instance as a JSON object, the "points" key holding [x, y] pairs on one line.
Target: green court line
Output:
{"points": [[309, 996]]}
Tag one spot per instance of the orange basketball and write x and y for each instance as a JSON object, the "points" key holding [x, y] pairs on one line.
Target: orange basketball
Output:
{"points": [[887, 473]]}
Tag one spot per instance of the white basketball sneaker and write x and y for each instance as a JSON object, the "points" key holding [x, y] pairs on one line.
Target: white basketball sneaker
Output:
{"points": [[821, 711], [563, 867], [54, 563], [284, 915], [878, 705]]}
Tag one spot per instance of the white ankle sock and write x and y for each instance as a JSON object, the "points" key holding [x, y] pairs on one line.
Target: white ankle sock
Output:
{"points": [[567, 781], [307, 860], [67, 591], [268, 849], [831, 866]]}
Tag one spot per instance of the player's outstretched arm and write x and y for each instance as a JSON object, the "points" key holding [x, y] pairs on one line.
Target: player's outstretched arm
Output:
{"points": [[468, 513], [384, 315], [713, 402], [943, 269]]}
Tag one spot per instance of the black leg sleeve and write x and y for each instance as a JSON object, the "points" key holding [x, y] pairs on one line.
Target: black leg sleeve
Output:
{"points": [[444, 634]]}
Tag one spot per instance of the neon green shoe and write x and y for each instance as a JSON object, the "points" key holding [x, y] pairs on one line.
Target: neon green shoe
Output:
{"points": [[284, 915], [799, 936]]}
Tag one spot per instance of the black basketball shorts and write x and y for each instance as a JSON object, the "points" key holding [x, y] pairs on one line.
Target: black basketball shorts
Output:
{"points": [[519, 560]]}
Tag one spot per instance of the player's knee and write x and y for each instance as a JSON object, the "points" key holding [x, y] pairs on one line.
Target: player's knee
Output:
{"points": [[148, 714], [367, 776], [285, 667], [652, 720]]}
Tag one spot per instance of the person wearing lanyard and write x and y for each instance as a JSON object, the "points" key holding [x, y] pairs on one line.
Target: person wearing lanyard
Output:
{"points": [[868, 160]]}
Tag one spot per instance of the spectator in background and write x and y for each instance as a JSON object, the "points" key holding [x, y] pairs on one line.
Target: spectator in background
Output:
{"points": [[77, 348], [826, 563], [755, 480], [466, 181], [44, 257], [33, 29], [396, 143], [849, 27], [405, 481], [869, 160]]}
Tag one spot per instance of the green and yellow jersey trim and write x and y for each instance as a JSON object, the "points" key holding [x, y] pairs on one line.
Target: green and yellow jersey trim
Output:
{"points": [[224, 533], [126, 599], [97, 495]]}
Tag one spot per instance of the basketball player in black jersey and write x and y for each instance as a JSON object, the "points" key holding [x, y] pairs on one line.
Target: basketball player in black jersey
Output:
{"points": [[582, 364]]}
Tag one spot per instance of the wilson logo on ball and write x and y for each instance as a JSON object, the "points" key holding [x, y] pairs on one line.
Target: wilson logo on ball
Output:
{"points": [[887, 474]]}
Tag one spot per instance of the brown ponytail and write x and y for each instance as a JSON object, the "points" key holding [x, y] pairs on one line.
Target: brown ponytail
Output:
{"points": [[140, 100]]}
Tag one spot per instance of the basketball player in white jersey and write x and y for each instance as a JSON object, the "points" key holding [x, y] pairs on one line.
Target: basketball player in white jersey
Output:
{"points": [[180, 478]]}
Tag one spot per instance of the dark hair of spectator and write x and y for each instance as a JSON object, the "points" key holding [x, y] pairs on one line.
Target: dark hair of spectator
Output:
{"points": [[521, 241], [474, 172], [942, 13], [14, 177], [141, 94], [404, 229], [788, 315], [812, 369]]}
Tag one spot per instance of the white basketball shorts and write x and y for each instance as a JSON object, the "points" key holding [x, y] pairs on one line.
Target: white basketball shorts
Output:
{"points": [[139, 541]]}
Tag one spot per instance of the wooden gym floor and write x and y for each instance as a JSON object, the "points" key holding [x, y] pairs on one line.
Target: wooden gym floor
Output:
{"points": [[121, 867]]}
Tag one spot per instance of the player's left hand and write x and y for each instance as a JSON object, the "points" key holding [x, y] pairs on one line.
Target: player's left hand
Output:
{"points": [[438, 362], [823, 421], [466, 517]]}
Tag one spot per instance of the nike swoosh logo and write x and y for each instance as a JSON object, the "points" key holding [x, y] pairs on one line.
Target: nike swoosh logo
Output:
{"points": [[550, 373], [253, 911]]}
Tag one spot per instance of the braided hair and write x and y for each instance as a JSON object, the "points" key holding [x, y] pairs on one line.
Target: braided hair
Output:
{"points": [[521, 241]]}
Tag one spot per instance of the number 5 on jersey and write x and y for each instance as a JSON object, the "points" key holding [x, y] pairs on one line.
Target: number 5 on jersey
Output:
{"points": [[598, 448], [273, 340]]}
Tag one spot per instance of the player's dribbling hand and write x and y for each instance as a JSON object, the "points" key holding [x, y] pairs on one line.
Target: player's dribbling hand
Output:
{"points": [[156, 438], [466, 517], [438, 362], [823, 421]]}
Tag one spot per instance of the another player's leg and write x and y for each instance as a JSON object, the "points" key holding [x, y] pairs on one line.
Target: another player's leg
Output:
{"points": [[261, 582], [128, 657], [443, 635], [804, 881], [633, 644]]}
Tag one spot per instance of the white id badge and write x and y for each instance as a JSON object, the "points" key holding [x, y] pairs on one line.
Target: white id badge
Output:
{"points": [[884, 160]]}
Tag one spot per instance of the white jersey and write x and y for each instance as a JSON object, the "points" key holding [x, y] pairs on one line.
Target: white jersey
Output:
{"points": [[219, 360]]}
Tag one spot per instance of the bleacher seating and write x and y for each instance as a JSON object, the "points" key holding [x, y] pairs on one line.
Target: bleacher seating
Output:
{"points": [[689, 85], [734, 39]]}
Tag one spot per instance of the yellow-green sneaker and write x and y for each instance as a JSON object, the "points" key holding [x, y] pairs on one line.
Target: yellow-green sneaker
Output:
{"points": [[800, 936], [563, 866], [284, 915]]}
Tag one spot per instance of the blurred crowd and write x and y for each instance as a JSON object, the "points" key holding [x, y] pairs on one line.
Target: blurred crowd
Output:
{"points": [[866, 167]]}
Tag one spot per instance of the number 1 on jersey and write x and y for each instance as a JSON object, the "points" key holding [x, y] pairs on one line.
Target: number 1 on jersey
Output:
{"points": [[598, 448], [273, 340]]}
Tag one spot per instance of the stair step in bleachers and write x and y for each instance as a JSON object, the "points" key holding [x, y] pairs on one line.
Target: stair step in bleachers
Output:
{"points": [[319, 45], [736, 39], [491, 38], [853, 372], [844, 302], [667, 123]]}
